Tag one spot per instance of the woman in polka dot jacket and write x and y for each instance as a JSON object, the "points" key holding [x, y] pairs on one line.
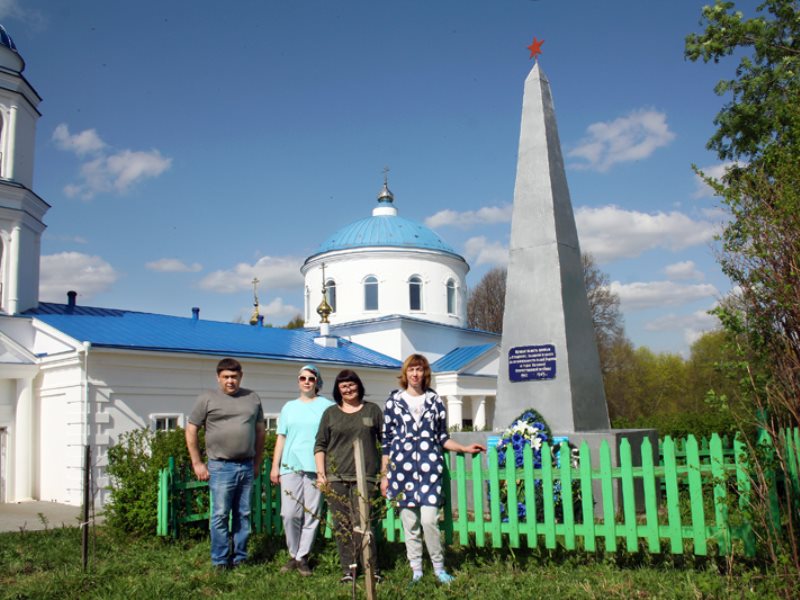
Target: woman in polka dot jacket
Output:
{"points": [[414, 439]]}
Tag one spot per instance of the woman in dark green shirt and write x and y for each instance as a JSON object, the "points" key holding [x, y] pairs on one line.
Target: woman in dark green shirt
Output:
{"points": [[349, 419]]}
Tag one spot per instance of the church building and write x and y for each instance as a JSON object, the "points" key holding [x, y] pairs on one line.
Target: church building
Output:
{"points": [[74, 375]]}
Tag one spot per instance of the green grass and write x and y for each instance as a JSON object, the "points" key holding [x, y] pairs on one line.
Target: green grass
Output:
{"points": [[47, 564]]}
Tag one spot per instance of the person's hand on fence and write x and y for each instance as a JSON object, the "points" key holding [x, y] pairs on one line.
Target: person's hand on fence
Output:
{"points": [[200, 471], [474, 448], [384, 486]]}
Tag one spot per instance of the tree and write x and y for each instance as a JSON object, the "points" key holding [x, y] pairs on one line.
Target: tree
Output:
{"points": [[604, 306], [296, 323], [759, 126], [487, 302]]}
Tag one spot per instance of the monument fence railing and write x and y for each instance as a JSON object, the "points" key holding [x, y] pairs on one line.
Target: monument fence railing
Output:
{"points": [[684, 497]]}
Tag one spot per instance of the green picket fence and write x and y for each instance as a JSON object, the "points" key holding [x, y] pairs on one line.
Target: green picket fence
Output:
{"points": [[691, 497]]}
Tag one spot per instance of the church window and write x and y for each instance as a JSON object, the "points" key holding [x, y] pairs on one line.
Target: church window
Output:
{"points": [[271, 422], [371, 293], [415, 293], [330, 286], [451, 297], [165, 422]]}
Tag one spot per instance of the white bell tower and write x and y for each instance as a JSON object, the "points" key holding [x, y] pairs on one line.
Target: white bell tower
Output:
{"points": [[21, 210]]}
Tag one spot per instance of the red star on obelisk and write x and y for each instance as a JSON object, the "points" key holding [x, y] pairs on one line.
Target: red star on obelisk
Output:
{"points": [[536, 48]]}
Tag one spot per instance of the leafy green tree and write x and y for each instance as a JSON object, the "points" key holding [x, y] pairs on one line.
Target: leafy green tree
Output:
{"points": [[759, 128], [296, 323]]}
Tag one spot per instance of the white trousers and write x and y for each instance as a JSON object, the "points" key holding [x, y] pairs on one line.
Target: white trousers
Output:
{"points": [[300, 504], [418, 523]]}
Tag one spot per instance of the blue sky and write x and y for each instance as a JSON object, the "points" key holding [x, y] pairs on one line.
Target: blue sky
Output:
{"points": [[188, 146]]}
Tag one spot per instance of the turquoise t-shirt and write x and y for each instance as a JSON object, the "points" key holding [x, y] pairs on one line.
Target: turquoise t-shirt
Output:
{"points": [[299, 422]]}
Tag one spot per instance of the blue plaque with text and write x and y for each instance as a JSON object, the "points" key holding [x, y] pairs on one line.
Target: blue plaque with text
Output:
{"points": [[532, 363]]}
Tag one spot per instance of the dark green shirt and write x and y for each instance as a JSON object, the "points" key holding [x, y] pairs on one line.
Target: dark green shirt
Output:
{"points": [[335, 436]]}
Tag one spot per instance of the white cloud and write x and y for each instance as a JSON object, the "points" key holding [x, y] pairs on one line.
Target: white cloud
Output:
{"points": [[107, 172], [633, 137], [65, 271], [480, 251], [83, 143], [173, 265], [117, 173], [10, 9], [610, 232], [471, 218], [702, 189], [692, 325], [656, 294], [73, 239], [274, 272], [684, 270]]}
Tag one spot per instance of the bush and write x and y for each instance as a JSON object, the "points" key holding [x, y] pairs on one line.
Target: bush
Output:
{"points": [[682, 424], [133, 467]]}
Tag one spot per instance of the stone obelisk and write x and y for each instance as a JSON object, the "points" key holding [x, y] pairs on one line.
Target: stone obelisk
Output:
{"points": [[549, 359]]}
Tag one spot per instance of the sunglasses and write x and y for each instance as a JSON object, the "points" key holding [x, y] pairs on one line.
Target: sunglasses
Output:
{"points": [[310, 378]]}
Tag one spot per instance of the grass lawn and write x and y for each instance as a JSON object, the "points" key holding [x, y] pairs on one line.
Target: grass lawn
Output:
{"points": [[47, 564]]}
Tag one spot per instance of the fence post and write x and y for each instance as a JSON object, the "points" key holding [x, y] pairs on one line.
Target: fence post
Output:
{"points": [[744, 487], [364, 519], [766, 444], [172, 513]]}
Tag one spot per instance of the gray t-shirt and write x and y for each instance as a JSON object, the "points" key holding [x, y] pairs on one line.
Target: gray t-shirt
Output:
{"points": [[230, 423]]}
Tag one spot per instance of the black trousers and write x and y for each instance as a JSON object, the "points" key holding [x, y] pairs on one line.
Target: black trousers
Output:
{"points": [[343, 502]]}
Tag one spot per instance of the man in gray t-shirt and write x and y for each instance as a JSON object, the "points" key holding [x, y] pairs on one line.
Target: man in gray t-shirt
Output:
{"points": [[234, 422]]}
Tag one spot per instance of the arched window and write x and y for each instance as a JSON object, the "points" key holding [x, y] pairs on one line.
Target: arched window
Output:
{"points": [[330, 287], [371, 293], [451, 297], [415, 293], [308, 305]]}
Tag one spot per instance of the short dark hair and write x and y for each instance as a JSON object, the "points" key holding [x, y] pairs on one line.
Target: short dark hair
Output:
{"points": [[229, 364], [347, 375]]}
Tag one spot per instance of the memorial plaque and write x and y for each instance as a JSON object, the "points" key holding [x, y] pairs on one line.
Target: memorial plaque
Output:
{"points": [[532, 363]]}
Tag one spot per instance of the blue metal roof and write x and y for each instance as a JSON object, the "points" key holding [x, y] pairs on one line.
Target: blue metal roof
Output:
{"points": [[458, 358], [115, 328], [385, 230]]}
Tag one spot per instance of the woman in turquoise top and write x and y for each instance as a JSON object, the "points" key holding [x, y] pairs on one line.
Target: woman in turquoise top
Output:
{"points": [[294, 468]]}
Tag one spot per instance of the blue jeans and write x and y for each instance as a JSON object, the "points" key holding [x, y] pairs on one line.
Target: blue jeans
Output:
{"points": [[231, 485]]}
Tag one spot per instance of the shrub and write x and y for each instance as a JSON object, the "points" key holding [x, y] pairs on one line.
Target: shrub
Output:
{"points": [[682, 424], [133, 466]]}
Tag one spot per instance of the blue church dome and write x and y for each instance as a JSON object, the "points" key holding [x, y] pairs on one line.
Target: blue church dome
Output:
{"points": [[10, 58], [384, 228], [6, 40]]}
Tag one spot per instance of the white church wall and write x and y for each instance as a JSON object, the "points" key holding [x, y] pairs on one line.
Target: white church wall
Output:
{"points": [[434, 342], [393, 269], [127, 390], [23, 143], [58, 438]]}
